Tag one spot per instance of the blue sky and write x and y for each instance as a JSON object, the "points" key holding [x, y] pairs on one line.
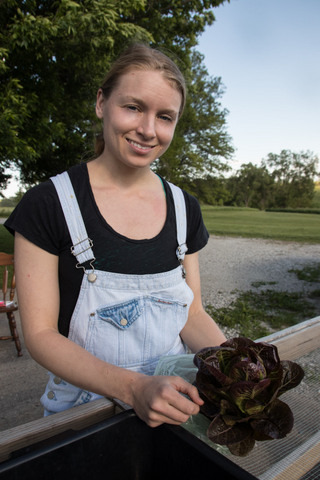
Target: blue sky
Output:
{"points": [[267, 53]]}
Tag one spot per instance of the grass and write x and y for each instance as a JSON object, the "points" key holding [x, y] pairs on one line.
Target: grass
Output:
{"points": [[6, 240], [5, 212], [252, 223], [310, 273], [256, 314], [6, 245]]}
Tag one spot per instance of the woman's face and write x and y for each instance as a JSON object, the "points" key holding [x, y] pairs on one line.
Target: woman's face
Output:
{"points": [[139, 118]]}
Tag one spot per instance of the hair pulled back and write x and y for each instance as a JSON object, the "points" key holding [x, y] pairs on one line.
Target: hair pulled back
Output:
{"points": [[141, 57]]}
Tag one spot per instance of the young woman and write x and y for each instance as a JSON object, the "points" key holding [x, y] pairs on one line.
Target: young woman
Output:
{"points": [[106, 256]]}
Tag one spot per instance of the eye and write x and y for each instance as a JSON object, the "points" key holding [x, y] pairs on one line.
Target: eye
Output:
{"points": [[166, 118], [133, 108]]}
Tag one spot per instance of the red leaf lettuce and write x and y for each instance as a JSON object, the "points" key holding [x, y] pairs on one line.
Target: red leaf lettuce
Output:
{"points": [[240, 382]]}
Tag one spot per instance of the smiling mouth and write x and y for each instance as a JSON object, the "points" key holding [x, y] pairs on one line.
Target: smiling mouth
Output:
{"points": [[138, 145]]}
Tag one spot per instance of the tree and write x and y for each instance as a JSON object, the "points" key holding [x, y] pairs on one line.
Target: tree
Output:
{"points": [[175, 24], [53, 55], [201, 144], [293, 175], [251, 186], [209, 190]]}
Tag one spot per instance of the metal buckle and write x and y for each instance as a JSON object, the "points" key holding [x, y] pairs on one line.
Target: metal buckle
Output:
{"points": [[73, 248]]}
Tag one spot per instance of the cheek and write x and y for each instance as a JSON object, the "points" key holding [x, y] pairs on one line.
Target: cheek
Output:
{"points": [[118, 121], [166, 133]]}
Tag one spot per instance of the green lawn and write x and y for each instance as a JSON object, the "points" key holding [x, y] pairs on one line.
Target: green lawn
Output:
{"points": [[246, 222], [241, 222], [6, 240]]}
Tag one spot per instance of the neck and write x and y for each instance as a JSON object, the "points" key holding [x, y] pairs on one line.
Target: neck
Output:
{"points": [[121, 176]]}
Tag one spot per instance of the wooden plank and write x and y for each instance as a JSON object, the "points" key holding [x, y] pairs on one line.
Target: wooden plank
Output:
{"points": [[294, 342], [75, 418]]}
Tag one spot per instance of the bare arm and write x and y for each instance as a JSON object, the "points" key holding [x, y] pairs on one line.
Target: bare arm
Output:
{"points": [[201, 330], [38, 293], [155, 399]]}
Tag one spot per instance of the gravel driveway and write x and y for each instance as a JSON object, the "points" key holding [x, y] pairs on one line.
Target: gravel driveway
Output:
{"points": [[226, 264]]}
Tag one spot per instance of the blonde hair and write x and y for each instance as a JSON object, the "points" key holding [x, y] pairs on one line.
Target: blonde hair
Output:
{"points": [[141, 57]]}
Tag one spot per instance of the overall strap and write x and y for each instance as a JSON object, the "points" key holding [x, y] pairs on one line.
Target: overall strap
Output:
{"points": [[82, 244], [181, 219]]}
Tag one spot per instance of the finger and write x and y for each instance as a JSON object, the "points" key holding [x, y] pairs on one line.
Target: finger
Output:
{"points": [[168, 414], [185, 405], [171, 407], [171, 394], [171, 415], [176, 406], [192, 392]]}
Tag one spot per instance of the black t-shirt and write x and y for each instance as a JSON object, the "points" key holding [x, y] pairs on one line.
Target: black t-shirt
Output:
{"points": [[40, 219]]}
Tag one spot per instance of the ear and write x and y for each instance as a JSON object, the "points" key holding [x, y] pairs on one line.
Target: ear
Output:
{"points": [[100, 104]]}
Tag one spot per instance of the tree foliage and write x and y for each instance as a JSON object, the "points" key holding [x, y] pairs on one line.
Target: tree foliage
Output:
{"points": [[251, 186], [281, 181], [53, 56], [53, 53], [293, 175]]}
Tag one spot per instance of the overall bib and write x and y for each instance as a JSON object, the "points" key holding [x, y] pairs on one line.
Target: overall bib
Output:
{"points": [[126, 320]]}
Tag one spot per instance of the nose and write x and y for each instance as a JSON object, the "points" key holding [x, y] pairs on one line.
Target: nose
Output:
{"points": [[147, 127]]}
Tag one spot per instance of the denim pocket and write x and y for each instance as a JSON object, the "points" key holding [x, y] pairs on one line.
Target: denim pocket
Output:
{"points": [[122, 315], [112, 329]]}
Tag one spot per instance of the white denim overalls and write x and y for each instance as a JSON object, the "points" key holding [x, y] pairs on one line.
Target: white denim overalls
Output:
{"points": [[127, 320]]}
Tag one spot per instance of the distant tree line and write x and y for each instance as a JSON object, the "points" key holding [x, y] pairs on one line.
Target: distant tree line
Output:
{"points": [[285, 180], [281, 181]]}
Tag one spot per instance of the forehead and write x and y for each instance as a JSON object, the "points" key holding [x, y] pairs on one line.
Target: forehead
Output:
{"points": [[148, 84]]}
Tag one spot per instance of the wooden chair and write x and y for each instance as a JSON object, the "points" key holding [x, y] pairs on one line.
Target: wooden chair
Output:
{"points": [[9, 306]]}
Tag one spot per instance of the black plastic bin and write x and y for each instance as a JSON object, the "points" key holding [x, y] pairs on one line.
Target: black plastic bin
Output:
{"points": [[122, 447]]}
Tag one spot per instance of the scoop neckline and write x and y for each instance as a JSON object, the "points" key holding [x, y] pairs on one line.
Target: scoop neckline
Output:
{"points": [[110, 228]]}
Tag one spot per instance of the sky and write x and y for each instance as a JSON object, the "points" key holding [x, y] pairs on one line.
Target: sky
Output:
{"points": [[267, 53]]}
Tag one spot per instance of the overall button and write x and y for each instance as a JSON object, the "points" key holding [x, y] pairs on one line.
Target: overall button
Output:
{"points": [[50, 395], [123, 322], [57, 380]]}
